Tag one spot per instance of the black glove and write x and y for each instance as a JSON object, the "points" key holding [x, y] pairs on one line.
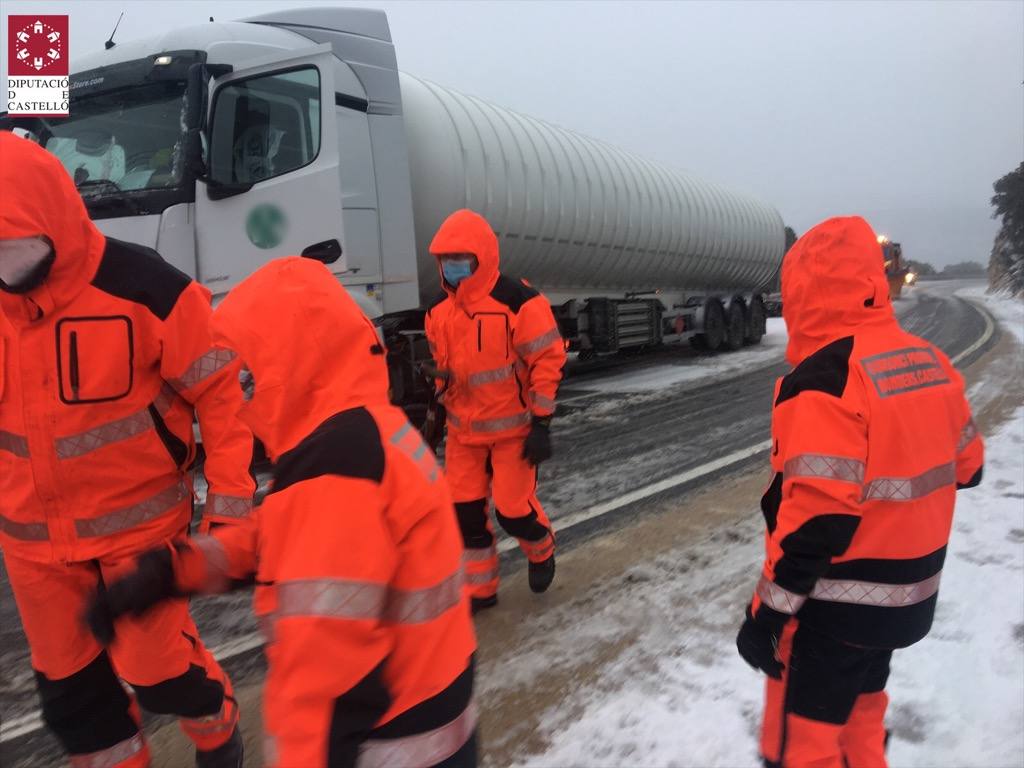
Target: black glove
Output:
{"points": [[537, 446], [433, 425], [758, 640], [151, 582]]}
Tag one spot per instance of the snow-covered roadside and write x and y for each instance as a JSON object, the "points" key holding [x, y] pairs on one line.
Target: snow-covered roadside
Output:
{"points": [[678, 695]]}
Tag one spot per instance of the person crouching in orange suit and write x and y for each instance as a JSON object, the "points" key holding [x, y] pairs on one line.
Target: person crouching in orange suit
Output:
{"points": [[355, 550], [871, 439], [498, 358]]}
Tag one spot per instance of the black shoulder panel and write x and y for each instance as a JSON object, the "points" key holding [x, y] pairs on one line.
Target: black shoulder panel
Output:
{"points": [[347, 445], [436, 301], [139, 274], [825, 371], [512, 293]]}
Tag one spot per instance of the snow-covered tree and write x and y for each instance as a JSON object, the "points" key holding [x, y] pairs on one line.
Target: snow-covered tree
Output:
{"points": [[1006, 265]]}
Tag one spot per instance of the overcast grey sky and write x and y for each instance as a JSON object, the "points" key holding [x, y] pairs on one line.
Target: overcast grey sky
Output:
{"points": [[904, 112]]}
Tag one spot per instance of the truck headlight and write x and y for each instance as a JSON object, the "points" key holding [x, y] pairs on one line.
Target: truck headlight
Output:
{"points": [[909, 278]]}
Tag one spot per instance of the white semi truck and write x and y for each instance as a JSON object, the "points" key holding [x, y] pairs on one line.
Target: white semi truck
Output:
{"points": [[225, 145]]}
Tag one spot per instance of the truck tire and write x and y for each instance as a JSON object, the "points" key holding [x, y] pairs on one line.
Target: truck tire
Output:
{"points": [[714, 326], [736, 330], [755, 321]]}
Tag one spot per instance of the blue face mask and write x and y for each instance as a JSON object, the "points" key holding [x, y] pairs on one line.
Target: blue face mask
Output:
{"points": [[456, 271]]}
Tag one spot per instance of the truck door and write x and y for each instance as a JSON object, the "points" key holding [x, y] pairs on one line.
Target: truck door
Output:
{"points": [[274, 186]]}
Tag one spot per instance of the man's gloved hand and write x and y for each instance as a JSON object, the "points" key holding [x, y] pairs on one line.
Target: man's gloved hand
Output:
{"points": [[537, 446], [758, 640], [151, 582], [433, 425]]}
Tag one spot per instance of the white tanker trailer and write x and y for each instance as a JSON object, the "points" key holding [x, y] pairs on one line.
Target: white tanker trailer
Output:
{"points": [[225, 145]]}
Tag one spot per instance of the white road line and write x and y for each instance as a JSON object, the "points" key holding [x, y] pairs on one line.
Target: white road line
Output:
{"points": [[990, 328], [20, 726]]}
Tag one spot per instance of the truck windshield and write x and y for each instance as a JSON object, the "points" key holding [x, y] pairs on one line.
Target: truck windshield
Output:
{"points": [[125, 145]]}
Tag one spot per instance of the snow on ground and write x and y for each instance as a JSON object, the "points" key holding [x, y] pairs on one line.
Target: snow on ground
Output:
{"points": [[657, 377], [680, 696], [1007, 310]]}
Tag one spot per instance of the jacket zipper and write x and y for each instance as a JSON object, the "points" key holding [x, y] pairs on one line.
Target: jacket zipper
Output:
{"points": [[479, 336], [74, 365]]}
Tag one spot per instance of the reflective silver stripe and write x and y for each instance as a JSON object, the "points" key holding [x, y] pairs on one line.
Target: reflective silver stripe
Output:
{"points": [[361, 600], [217, 564], [479, 554], [24, 531], [74, 446], [908, 488], [490, 377], [782, 600], [228, 506], [416, 606], [129, 517], [497, 425], [210, 725], [423, 749], [13, 443], [202, 368], [454, 420], [112, 756], [536, 345], [967, 435], [828, 467], [871, 593], [542, 401], [481, 578]]}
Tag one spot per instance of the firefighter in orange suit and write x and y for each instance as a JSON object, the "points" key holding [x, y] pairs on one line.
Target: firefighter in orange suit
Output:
{"points": [[105, 355], [871, 438], [355, 551], [498, 357]]}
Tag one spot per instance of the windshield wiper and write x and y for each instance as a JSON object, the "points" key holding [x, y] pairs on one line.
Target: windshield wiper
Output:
{"points": [[98, 187]]}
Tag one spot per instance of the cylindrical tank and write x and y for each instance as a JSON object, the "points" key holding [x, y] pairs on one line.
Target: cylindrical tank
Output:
{"points": [[575, 215]]}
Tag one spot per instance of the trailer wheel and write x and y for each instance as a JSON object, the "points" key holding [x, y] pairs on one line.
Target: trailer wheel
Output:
{"points": [[714, 326], [737, 329], [756, 321]]}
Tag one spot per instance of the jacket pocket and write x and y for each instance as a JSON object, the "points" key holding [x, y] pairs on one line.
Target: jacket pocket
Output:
{"points": [[492, 337], [95, 359]]}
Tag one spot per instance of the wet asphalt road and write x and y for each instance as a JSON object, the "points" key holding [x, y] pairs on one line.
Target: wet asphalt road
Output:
{"points": [[606, 443]]}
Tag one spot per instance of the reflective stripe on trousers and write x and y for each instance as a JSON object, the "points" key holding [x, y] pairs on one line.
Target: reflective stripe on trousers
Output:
{"points": [[849, 591], [228, 506], [129, 517], [202, 368], [73, 446], [421, 750], [110, 757], [492, 425]]}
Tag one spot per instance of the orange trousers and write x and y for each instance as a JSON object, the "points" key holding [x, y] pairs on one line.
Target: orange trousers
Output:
{"points": [[159, 654], [496, 471], [828, 710]]}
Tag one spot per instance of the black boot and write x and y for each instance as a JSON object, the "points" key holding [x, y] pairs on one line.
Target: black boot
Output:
{"points": [[477, 604], [227, 755], [542, 574]]}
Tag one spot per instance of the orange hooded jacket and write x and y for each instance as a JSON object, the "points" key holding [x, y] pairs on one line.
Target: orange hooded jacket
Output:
{"points": [[101, 369], [872, 436], [355, 550], [497, 337]]}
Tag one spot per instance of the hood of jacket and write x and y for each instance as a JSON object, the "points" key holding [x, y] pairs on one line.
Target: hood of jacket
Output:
{"points": [[466, 231], [833, 285], [41, 199], [311, 350]]}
